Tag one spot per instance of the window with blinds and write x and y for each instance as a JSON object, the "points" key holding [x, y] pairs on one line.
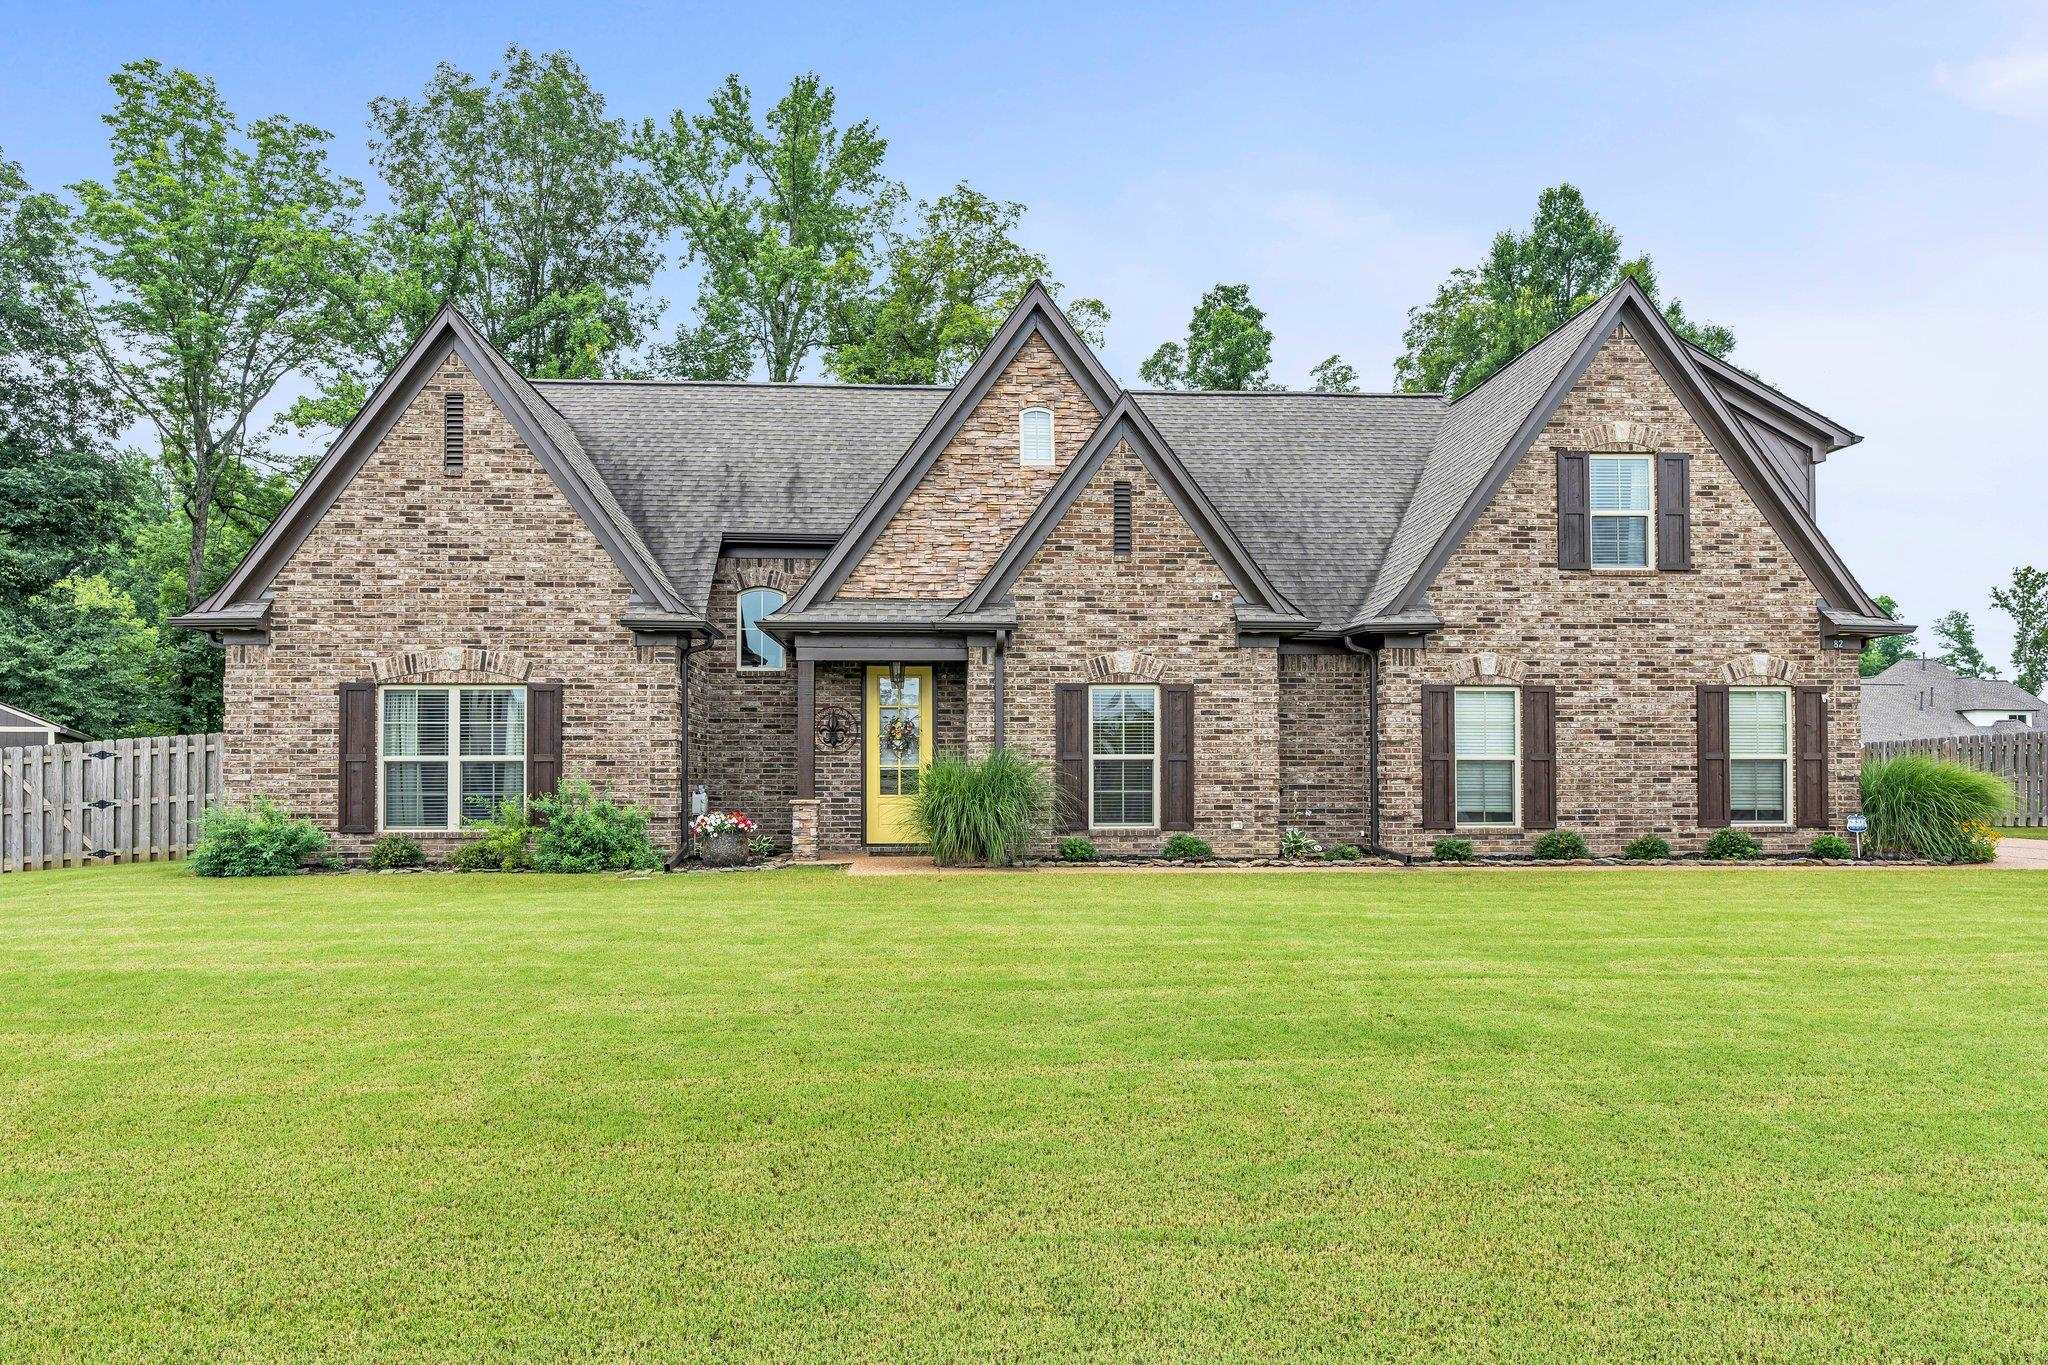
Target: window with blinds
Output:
{"points": [[1123, 757], [1487, 753], [1120, 533], [450, 755], [453, 437], [1034, 438], [1620, 504], [1759, 755]]}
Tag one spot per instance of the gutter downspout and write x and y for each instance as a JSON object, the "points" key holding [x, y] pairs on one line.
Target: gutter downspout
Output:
{"points": [[686, 645], [1372, 741]]}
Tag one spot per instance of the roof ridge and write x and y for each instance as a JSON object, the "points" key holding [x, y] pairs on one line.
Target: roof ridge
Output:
{"points": [[1283, 393], [747, 384], [1530, 349]]}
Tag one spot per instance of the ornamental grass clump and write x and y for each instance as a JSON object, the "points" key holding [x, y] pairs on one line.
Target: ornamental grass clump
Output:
{"points": [[990, 811], [1932, 808]]}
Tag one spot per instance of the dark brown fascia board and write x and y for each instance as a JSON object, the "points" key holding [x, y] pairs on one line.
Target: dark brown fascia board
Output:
{"points": [[1818, 443], [1126, 421], [348, 452], [1837, 622], [1837, 436], [785, 625], [1752, 468], [1035, 315], [879, 649]]}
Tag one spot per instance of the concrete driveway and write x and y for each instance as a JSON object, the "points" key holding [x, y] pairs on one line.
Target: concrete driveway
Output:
{"points": [[2029, 853]]}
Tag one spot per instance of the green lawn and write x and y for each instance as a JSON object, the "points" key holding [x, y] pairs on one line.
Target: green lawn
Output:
{"points": [[1690, 1114], [2029, 832]]}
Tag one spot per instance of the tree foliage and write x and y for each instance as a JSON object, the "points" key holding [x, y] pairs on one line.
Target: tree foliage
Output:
{"points": [[85, 658], [1885, 650], [1482, 317], [1228, 346], [1959, 646], [1333, 375], [781, 211], [947, 283], [2025, 600]]}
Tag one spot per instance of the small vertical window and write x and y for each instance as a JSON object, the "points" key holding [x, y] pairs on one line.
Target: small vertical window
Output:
{"points": [[1034, 438], [1621, 511], [1759, 755], [1123, 757], [1487, 733], [1120, 536], [760, 652], [451, 432]]}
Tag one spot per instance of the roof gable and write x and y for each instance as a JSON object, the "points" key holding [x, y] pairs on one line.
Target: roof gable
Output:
{"points": [[1036, 315], [1477, 448], [1127, 423], [545, 434]]}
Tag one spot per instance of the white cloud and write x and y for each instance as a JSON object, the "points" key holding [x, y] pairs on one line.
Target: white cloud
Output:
{"points": [[2014, 83]]}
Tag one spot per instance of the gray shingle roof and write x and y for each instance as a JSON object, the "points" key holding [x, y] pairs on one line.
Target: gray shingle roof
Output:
{"points": [[692, 462], [1925, 699], [1476, 428]]}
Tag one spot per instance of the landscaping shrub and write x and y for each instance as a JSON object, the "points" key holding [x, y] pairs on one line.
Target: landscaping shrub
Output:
{"points": [[763, 846], [1296, 843], [1647, 849], [1926, 806], [395, 850], [1831, 846], [580, 831], [986, 812], [1075, 849], [256, 840], [1187, 848], [1983, 843], [504, 843], [1733, 845], [1451, 850], [1343, 853], [1558, 845]]}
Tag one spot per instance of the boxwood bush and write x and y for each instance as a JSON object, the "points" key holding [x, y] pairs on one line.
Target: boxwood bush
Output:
{"points": [[1075, 849], [1342, 853], [1733, 845], [1647, 849], [256, 840], [1928, 806], [1187, 848], [1832, 846], [1452, 850], [990, 811], [1559, 845], [395, 850]]}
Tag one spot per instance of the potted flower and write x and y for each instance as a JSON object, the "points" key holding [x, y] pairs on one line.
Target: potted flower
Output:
{"points": [[722, 837]]}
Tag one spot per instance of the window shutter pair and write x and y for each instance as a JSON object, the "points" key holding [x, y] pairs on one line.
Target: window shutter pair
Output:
{"points": [[1809, 757], [1070, 757], [1439, 753], [358, 796], [1575, 511]]}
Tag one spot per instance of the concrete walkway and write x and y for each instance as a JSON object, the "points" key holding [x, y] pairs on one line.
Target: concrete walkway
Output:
{"points": [[2024, 853]]}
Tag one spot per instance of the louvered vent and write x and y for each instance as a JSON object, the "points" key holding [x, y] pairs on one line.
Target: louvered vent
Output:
{"points": [[451, 433], [1121, 536]]}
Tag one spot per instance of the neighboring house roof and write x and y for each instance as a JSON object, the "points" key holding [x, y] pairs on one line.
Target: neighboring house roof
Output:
{"points": [[1926, 699], [15, 718]]}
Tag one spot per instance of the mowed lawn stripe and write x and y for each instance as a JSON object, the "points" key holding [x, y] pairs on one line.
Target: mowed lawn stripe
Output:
{"points": [[1671, 1114]]}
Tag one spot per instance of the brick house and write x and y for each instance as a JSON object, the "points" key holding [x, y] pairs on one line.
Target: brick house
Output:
{"points": [[1588, 594]]}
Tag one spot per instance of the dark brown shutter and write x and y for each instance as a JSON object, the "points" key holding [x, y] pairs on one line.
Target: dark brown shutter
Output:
{"points": [[1711, 723], [1574, 512], [1674, 512], [543, 738], [1810, 756], [1438, 787], [358, 809], [1070, 749], [1539, 758], [1177, 757]]}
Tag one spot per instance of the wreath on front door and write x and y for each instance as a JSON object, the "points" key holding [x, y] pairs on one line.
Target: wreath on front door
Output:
{"points": [[901, 734]]}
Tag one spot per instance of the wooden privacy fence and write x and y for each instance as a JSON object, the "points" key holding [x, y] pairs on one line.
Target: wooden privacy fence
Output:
{"points": [[2018, 756], [116, 800]]}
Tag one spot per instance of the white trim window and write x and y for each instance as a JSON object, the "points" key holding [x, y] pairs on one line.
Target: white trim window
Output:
{"points": [[759, 652], [1034, 438], [449, 756], [1487, 730], [1623, 531], [1759, 756], [1123, 757]]}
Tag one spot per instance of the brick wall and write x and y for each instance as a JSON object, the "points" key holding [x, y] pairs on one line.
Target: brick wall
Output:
{"points": [[1624, 650], [1322, 747], [743, 723], [841, 777], [976, 495], [453, 568], [1169, 608]]}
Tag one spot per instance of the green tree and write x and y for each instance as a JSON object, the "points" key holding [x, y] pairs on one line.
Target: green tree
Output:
{"points": [[1333, 375], [1485, 316], [1228, 346], [1884, 650], [946, 286], [215, 247], [84, 661], [783, 213], [2025, 600], [1959, 646], [514, 198]]}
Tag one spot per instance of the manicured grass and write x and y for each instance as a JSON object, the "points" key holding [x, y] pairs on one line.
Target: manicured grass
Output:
{"points": [[2029, 832], [1673, 1114]]}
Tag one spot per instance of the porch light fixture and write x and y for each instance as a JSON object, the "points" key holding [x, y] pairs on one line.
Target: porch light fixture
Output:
{"points": [[896, 676]]}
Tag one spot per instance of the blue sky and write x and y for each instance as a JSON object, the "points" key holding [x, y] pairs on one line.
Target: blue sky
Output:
{"points": [[1860, 191]]}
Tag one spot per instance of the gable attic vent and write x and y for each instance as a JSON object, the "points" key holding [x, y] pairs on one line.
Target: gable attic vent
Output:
{"points": [[1120, 536], [451, 432]]}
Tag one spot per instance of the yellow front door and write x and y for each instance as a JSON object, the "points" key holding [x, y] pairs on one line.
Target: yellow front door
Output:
{"points": [[899, 749]]}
